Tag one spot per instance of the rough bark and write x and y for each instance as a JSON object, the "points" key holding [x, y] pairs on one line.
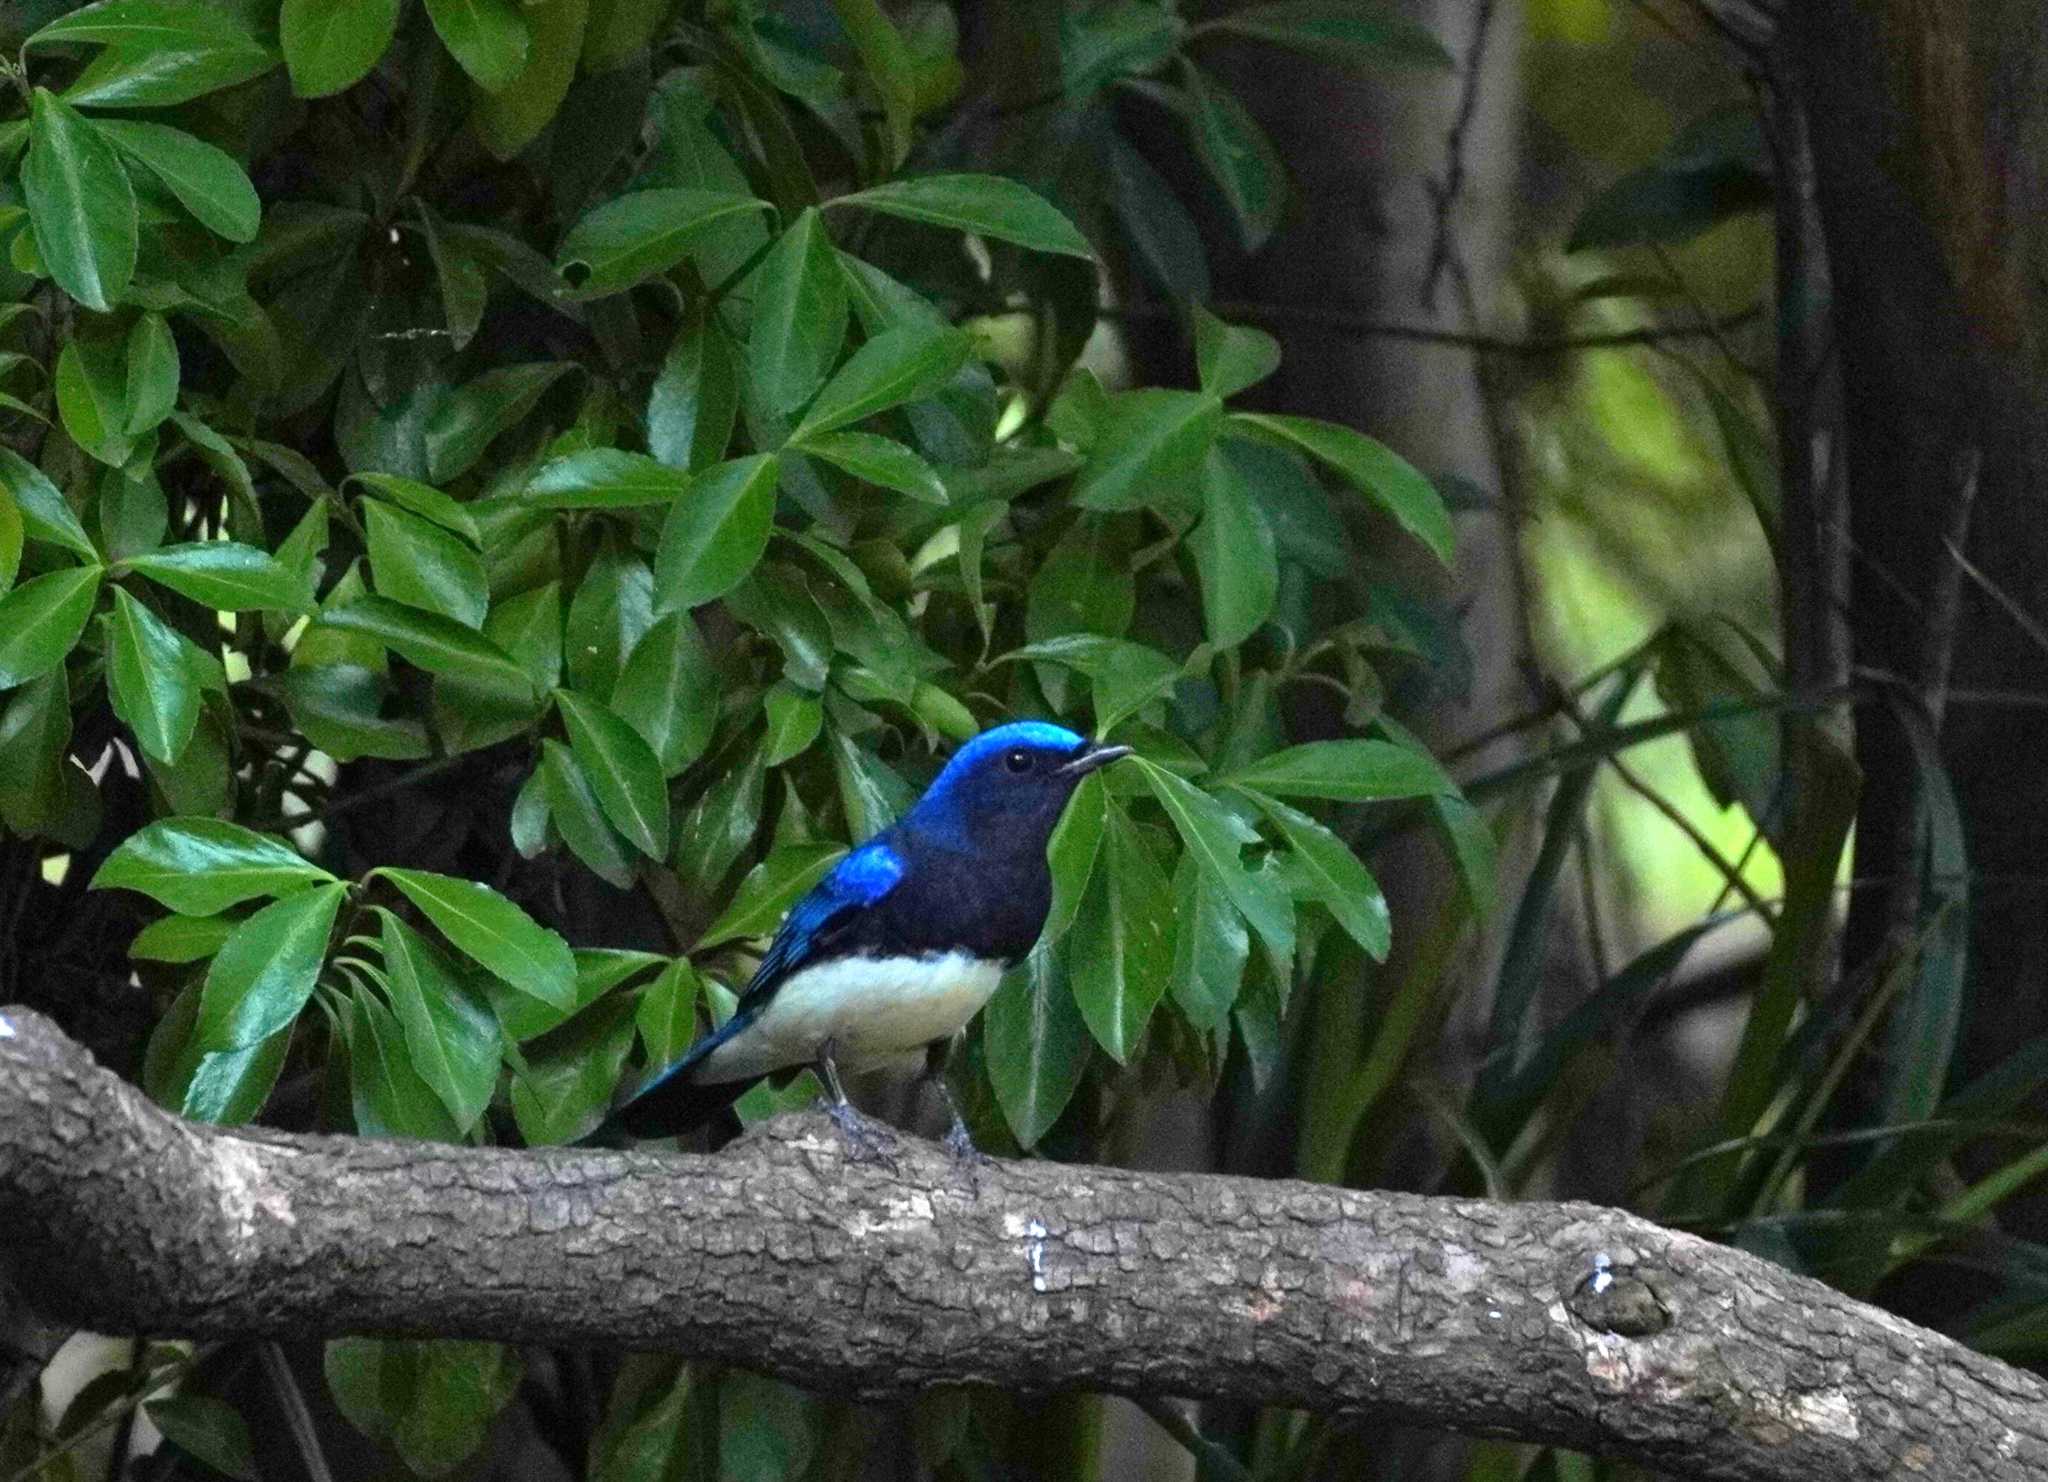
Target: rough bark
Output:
{"points": [[1562, 1323]]}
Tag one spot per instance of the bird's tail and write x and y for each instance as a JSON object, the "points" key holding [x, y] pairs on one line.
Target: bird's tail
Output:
{"points": [[674, 1102]]}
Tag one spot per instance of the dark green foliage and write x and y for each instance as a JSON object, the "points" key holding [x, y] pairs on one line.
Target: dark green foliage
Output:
{"points": [[600, 397]]}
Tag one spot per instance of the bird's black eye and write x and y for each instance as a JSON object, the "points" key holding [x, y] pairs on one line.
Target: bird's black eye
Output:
{"points": [[1018, 761]]}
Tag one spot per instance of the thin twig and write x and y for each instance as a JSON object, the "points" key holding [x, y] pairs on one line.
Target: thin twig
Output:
{"points": [[354, 800], [1443, 255], [2026, 621], [297, 1416], [1339, 321], [1166, 1414]]}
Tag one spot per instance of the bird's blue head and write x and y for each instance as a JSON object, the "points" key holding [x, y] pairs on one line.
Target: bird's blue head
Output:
{"points": [[1008, 786]]}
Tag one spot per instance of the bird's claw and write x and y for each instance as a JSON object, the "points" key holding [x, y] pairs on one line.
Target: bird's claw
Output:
{"points": [[962, 1147], [866, 1141]]}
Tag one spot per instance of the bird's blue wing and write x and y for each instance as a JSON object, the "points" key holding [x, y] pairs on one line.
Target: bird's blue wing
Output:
{"points": [[671, 1102], [855, 884]]}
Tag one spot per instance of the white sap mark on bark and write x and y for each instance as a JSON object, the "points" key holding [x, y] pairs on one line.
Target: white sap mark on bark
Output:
{"points": [[908, 1212], [1034, 1253], [1462, 1267], [1827, 1411], [245, 1189], [6, 1029]]}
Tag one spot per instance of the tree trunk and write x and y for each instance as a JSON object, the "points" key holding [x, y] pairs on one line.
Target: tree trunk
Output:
{"points": [[1929, 125]]}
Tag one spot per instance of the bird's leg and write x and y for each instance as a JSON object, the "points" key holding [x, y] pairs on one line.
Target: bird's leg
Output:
{"points": [[958, 1142], [866, 1142]]}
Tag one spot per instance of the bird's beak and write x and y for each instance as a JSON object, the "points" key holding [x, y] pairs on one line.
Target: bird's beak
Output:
{"points": [[1092, 758]]}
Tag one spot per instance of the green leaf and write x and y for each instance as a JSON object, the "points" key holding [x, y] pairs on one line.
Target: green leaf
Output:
{"points": [[11, 538], [1472, 848], [799, 318], [35, 773], [224, 575], [561, 1093], [870, 791], [466, 421], [40, 621], [266, 969], [612, 610], [1232, 357], [795, 718], [80, 204], [631, 238], [1372, 468], [491, 930], [166, 24], [579, 817], [1162, 235], [181, 938], [987, 205], [668, 692], [211, 1430], [1239, 156], [889, 67], [1336, 876], [1100, 43], [511, 118], [880, 461], [1150, 450], [1350, 33], [202, 866], [459, 273], [1717, 168], [487, 38], [152, 391], [1209, 946], [435, 643], [450, 1032], [1347, 772], [603, 478], [715, 533], [1120, 951], [146, 76], [769, 889], [423, 500], [434, 1403], [528, 626], [1076, 839], [45, 514], [92, 397], [330, 45], [229, 1087], [339, 707], [1036, 1043], [387, 1094], [207, 181], [1126, 676], [1084, 585], [1234, 557], [150, 679], [622, 768], [897, 366], [695, 399], [1215, 836], [424, 566], [666, 1015]]}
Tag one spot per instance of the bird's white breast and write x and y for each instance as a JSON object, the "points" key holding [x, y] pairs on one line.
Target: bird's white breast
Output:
{"points": [[873, 1009]]}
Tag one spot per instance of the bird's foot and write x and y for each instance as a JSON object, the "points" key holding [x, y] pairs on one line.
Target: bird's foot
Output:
{"points": [[962, 1147], [866, 1141]]}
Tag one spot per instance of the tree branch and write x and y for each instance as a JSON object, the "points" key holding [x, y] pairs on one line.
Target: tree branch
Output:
{"points": [[1561, 1323]]}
